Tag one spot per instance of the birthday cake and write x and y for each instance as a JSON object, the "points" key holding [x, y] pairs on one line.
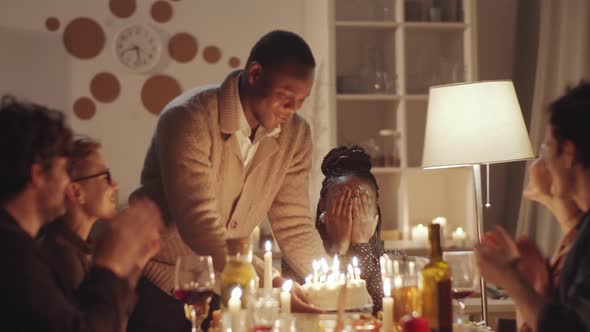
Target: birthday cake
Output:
{"points": [[323, 289], [326, 295]]}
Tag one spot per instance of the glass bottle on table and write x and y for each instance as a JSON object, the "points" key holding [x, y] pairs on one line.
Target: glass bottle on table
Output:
{"points": [[436, 282], [238, 271]]}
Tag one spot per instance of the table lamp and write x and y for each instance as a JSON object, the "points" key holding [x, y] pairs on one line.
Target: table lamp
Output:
{"points": [[470, 124]]}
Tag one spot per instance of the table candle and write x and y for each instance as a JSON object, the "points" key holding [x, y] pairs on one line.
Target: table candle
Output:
{"points": [[268, 265], [286, 297], [442, 221], [235, 306], [387, 306], [420, 233], [459, 234]]}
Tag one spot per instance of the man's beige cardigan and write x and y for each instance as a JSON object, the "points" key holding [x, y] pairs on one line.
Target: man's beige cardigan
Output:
{"points": [[194, 171]]}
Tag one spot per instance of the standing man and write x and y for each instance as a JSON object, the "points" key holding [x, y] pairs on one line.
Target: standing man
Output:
{"points": [[34, 144], [221, 159]]}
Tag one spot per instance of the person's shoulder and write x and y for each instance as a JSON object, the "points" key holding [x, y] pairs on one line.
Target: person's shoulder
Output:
{"points": [[192, 101], [195, 106]]}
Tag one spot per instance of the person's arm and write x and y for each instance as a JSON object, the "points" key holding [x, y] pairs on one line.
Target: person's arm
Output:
{"points": [[573, 313], [184, 147], [290, 214], [102, 300]]}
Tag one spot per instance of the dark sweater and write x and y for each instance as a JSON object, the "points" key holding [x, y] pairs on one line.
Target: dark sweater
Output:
{"points": [[569, 307], [33, 301]]}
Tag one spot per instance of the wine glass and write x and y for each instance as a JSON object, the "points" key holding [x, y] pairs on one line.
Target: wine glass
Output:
{"points": [[193, 285], [465, 277]]}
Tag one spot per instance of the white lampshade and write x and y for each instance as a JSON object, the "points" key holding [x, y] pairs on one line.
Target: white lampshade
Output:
{"points": [[474, 123]]}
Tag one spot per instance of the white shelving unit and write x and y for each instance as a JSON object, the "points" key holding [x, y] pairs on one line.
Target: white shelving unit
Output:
{"points": [[385, 54]]}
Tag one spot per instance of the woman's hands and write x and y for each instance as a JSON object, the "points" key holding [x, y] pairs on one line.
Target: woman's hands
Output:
{"points": [[349, 219]]}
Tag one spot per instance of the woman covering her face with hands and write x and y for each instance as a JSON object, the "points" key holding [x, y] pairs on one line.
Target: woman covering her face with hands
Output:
{"points": [[348, 215]]}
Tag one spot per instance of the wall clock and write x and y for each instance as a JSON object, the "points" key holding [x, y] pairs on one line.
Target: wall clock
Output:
{"points": [[138, 47]]}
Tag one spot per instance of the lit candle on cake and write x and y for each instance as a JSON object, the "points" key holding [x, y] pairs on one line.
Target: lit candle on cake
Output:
{"points": [[420, 233], [268, 265], [350, 270], [336, 265], [234, 306], [357, 270], [316, 271], [387, 306], [286, 297]]}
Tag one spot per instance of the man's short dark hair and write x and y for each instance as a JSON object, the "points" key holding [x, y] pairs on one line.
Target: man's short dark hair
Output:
{"points": [[570, 120], [29, 133], [280, 47]]}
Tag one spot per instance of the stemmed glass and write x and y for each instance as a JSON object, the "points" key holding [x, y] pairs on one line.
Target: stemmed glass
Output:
{"points": [[193, 285], [465, 277]]}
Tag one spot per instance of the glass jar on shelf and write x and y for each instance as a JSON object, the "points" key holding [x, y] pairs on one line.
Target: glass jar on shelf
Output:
{"points": [[389, 147], [374, 151], [375, 78]]}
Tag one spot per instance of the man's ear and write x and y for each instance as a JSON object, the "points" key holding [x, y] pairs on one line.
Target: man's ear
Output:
{"points": [[254, 71], [75, 194], [38, 175]]}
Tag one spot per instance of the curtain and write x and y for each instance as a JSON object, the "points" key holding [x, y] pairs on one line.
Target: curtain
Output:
{"points": [[562, 61]]}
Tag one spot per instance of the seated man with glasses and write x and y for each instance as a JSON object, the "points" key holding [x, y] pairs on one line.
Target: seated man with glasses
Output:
{"points": [[90, 196]]}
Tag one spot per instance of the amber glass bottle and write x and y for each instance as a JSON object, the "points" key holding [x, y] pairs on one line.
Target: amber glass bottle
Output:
{"points": [[436, 282], [238, 271]]}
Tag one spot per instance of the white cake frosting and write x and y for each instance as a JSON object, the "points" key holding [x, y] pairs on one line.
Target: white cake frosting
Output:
{"points": [[323, 287], [325, 295]]}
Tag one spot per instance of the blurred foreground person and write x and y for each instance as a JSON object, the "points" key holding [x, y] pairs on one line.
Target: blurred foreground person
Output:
{"points": [[35, 144]]}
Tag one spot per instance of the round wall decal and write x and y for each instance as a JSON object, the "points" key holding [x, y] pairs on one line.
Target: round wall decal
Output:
{"points": [[183, 47], [52, 24], [122, 8], [234, 62], [83, 38], [161, 11], [212, 54], [157, 91], [84, 108], [105, 87]]}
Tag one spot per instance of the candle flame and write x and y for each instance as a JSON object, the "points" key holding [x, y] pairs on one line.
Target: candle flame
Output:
{"points": [[315, 265], [355, 261], [308, 279], [268, 246], [287, 285], [236, 293]]}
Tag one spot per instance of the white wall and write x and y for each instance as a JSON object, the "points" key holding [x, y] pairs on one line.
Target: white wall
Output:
{"points": [[35, 65]]}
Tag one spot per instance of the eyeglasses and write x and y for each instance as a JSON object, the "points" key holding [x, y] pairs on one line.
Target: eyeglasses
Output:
{"points": [[88, 177]]}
